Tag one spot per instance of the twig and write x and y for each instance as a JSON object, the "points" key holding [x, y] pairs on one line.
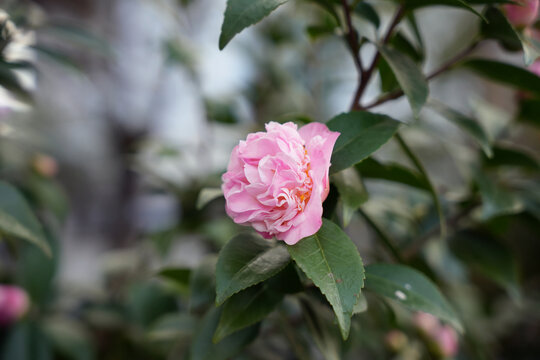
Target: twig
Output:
{"points": [[443, 68], [367, 74], [383, 236]]}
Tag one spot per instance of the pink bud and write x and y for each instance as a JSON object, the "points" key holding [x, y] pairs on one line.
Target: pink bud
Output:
{"points": [[14, 304], [524, 14], [45, 165], [447, 341], [426, 323], [535, 67]]}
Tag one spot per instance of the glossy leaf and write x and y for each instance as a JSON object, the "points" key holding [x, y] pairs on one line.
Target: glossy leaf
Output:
{"points": [[366, 11], [331, 260], [17, 219], [506, 74], [207, 195], [247, 260], [352, 192], [410, 288], [246, 308], [203, 348], [489, 257], [496, 200], [410, 78], [240, 14], [499, 28], [362, 133], [471, 126], [504, 156], [371, 168]]}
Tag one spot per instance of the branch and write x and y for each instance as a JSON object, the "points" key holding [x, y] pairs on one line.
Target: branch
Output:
{"points": [[366, 76], [442, 69]]}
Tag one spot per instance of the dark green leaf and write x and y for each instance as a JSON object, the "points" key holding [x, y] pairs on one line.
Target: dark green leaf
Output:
{"points": [[503, 156], [331, 260], [203, 348], [319, 321], [489, 257], [10, 82], [472, 127], [352, 192], [178, 276], [243, 13], [388, 79], [499, 28], [400, 42], [366, 11], [202, 285], [496, 200], [247, 260], [371, 168], [506, 74], [17, 219], [69, 338], [207, 195], [529, 111], [246, 308], [362, 133], [25, 341], [410, 78], [410, 288]]}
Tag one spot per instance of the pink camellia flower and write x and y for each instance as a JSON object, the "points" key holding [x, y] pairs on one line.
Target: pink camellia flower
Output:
{"points": [[277, 180], [523, 14], [447, 341], [13, 304]]}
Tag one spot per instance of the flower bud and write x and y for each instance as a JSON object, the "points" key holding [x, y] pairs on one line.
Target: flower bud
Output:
{"points": [[45, 165], [447, 341], [523, 14], [14, 304], [395, 340]]}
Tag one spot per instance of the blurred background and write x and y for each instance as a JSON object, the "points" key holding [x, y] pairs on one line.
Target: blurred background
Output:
{"points": [[134, 110]]}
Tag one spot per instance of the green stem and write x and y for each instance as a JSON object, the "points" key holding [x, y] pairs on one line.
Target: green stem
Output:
{"points": [[383, 236], [422, 171]]}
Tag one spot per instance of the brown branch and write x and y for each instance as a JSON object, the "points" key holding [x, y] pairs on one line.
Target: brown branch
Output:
{"points": [[367, 74], [443, 68]]}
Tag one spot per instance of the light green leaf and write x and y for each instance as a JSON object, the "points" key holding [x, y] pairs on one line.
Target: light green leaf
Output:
{"points": [[371, 168], [506, 74], [489, 257], [243, 13], [206, 196], [17, 219], [247, 260], [203, 348], [362, 133], [246, 308], [410, 288], [352, 192], [361, 305], [410, 78], [467, 124], [331, 260]]}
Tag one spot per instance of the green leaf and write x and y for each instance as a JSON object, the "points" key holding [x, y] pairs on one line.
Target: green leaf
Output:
{"points": [[331, 260], [467, 124], [10, 81], [207, 195], [203, 348], [410, 288], [529, 111], [366, 11], [499, 28], [69, 338], [503, 156], [352, 192], [489, 257], [400, 42], [362, 133], [177, 276], [319, 323], [247, 260], [246, 308], [171, 327], [17, 219], [202, 285], [415, 4], [240, 14], [496, 200], [506, 74], [371, 168], [410, 78]]}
